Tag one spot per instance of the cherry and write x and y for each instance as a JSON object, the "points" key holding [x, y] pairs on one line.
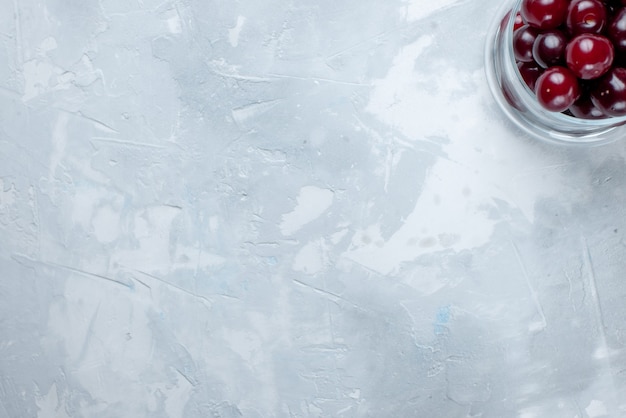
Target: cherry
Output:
{"points": [[617, 30], [530, 72], [583, 108], [609, 95], [549, 48], [544, 14], [557, 89], [612, 6], [523, 40], [519, 21], [589, 56], [585, 16]]}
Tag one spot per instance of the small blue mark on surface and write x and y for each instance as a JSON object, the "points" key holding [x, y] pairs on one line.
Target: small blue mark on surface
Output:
{"points": [[272, 261], [441, 319], [443, 314]]}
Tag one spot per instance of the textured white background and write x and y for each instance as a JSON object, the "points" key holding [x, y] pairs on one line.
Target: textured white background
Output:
{"points": [[264, 208]]}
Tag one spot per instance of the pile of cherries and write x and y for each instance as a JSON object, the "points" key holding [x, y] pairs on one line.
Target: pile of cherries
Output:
{"points": [[572, 54]]}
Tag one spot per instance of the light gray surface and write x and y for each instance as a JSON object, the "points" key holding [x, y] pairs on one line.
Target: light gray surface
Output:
{"points": [[293, 209]]}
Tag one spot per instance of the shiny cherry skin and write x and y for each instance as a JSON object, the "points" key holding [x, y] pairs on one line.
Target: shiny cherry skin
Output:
{"points": [[523, 40], [589, 56], [518, 22], [609, 95], [617, 30], [544, 14], [586, 16], [549, 48], [530, 72], [557, 89], [612, 6], [583, 108]]}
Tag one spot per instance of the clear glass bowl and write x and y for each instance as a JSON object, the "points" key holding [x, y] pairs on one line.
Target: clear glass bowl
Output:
{"points": [[519, 103]]}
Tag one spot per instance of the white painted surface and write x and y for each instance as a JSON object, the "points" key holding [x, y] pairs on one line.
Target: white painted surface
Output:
{"points": [[263, 209]]}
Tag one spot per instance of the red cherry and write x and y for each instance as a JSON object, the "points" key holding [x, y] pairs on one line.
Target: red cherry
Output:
{"points": [[544, 14], [530, 72], [583, 108], [557, 89], [589, 56], [609, 95], [617, 30], [612, 6], [523, 40], [519, 21], [585, 16], [549, 48]]}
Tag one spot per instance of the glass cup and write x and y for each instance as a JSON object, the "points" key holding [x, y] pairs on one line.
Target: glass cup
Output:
{"points": [[518, 101]]}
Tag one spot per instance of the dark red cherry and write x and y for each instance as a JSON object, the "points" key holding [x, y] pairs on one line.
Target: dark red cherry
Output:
{"points": [[612, 6], [586, 16], [544, 14], [557, 89], [589, 56], [523, 40], [530, 72], [611, 3], [583, 108], [518, 22], [609, 95], [617, 30], [549, 48]]}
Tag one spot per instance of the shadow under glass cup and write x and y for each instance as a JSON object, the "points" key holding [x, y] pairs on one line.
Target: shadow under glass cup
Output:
{"points": [[518, 101]]}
